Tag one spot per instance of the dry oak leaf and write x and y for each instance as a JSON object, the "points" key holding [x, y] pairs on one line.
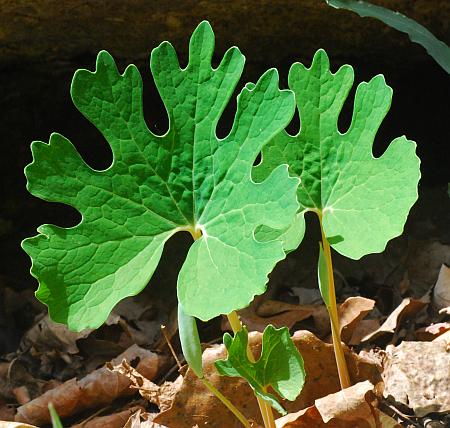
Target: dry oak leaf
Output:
{"points": [[432, 331], [350, 407], [161, 395], [441, 292], [99, 388], [194, 404], [408, 308], [351, 312], [115, 420], [142, 420], [258, 316], [417, 374]]}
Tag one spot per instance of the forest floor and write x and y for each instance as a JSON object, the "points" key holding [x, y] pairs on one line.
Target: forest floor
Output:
{"points": [[395, 321]]}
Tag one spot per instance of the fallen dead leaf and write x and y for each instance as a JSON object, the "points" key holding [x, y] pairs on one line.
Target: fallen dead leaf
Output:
{"points": [[417, 375], [444, 338], [351, 407], [194, 404], [142, 419], [407, 309], [161, 395], [441, 292], [432, 331], [258, 316], [99, 388], [351, 312], [364, 329], [49, 336], [116, 420], [4, 424]]}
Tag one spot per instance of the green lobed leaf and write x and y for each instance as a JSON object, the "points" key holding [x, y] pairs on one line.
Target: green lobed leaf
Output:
{"points": [[364, 201], [190, 341], [437, 49], [280, 365], [184, 180]]}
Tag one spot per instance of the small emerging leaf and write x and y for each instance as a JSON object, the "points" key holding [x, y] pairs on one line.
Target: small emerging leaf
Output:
{"points": [[280, 365], [190, 341], [363, 200]]}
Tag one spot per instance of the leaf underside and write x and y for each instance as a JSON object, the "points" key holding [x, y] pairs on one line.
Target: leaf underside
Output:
{"points": [[184, 180], [364, 201], [437, 49], [280, 365]]}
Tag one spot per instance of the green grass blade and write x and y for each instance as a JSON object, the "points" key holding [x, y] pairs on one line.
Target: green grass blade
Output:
{"points": [[56, 422]]}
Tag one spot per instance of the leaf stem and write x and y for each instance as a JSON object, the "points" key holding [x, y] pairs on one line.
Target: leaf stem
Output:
{"points": [[333, 313], [230, 406], [196, 234], [264, 407]]}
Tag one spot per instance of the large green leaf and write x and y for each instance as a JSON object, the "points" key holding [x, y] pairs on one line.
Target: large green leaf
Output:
{"points": [[363, 200], [184, 180], [280, 365]]}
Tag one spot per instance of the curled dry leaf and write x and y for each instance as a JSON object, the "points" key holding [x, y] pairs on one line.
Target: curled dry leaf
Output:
{"points": [[142, 419], [194, 404], [441, 292], [351, 312], [162, 395], [408, 308], [116, 420], [258, 316], [432, 331], [281, 314], [99, 388], [417, 375], [48, 336], [351, 407]]}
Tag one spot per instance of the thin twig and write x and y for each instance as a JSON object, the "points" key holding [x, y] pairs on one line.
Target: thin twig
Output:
{"points": [[166, 337]]}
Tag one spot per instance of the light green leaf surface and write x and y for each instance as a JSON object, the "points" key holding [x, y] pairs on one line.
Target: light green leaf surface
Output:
{"points": [[190, 341], [437, 49], [322, 277], [280, 365], [363, 200], [56, 421], [184, 180]]}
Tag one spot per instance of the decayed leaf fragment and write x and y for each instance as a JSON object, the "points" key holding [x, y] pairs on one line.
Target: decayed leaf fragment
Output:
{"points": [[258, 316], [161, 395], [417, 374], [441, 292], [185, 180], [408, 308], [351, 312], [99, 388], [193, 404], [355, 194], [351, 407]]}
